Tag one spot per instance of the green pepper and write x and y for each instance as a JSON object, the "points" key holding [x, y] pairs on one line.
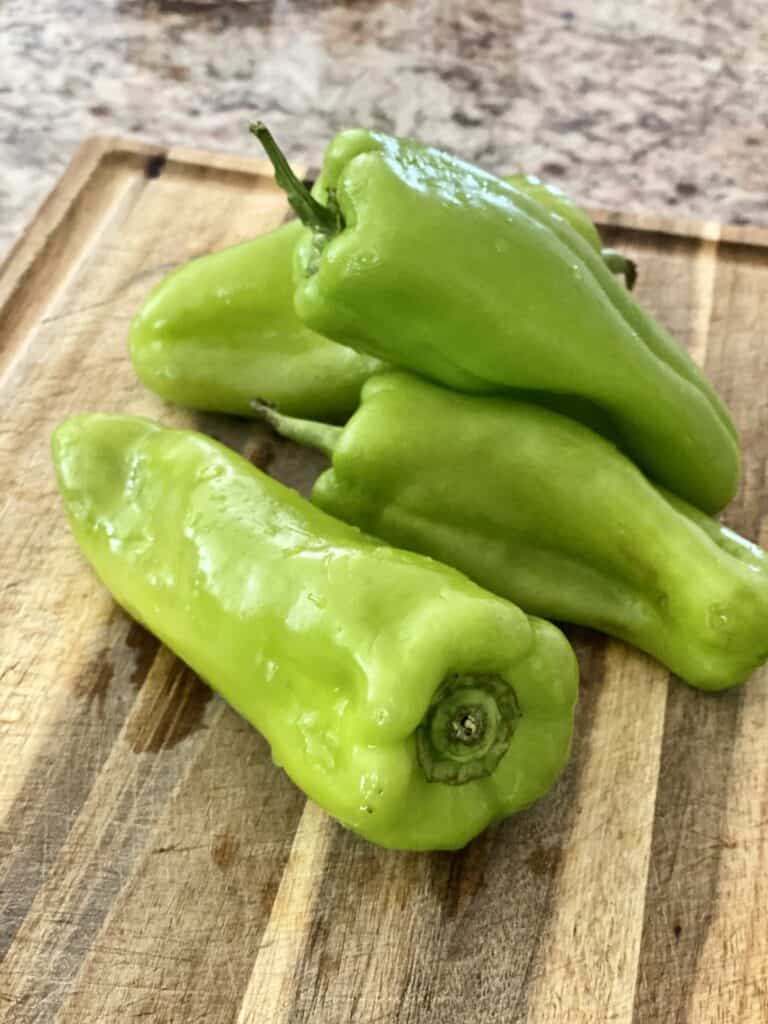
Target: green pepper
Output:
{"points": [[431, 264], [412, 705], [559, 204], [221, 330], [541, 510]]}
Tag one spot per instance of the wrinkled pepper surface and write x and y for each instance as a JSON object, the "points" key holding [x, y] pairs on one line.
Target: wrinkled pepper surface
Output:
{"points": [[221, 330], [412, 705], [429, 263], [541, 510]]}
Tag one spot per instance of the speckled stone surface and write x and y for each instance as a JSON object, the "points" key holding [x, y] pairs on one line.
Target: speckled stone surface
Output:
{"points": [[659, 106]]}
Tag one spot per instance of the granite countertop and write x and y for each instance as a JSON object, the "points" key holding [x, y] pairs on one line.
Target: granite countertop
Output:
{"points": [[660, 107]]}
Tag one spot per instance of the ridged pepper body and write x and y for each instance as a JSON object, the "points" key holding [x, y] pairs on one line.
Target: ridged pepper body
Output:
{"points": [[351, 657], [439, 267], [539, 509]]}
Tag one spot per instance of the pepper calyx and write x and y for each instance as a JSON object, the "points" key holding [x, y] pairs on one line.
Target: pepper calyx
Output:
{"points": [[467, 728]]}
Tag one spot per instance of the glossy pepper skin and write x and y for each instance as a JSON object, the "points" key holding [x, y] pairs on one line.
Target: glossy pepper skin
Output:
{"points": [[558, 204], [221, 330], [541, 510], [431, 264], [370, 671]]}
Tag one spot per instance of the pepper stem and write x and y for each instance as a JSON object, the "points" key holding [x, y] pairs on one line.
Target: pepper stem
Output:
{"points": [[467, 729], [325, 219], [311, 433], [617, 263]]}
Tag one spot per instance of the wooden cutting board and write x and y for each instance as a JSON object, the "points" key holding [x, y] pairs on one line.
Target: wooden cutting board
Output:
{"points": [[154, 864]]}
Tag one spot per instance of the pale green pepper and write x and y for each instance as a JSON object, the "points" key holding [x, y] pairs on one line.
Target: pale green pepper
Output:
{"points": [[420, 259], [541, 510], [221, 331], [412, 705]]}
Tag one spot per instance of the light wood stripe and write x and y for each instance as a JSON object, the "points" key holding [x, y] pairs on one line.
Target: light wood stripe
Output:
{"points": [[269, 992], [683, 895], [590, 958], [704, 270], [734, 954]]}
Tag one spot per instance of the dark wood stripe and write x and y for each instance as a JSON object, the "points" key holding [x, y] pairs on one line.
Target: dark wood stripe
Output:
{"points": [[221, 839], [237, 814], [452, 936], [62, 775], [639, 239], [664, 229], [176, 713], [107, 846]]}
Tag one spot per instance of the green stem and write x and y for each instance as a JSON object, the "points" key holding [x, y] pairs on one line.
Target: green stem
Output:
{"points": [[467, 729], [314, 215], [617, 263], [311, 433]]}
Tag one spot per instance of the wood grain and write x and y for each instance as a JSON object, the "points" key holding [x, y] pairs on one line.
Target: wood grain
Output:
{"points": [[155, 865]]}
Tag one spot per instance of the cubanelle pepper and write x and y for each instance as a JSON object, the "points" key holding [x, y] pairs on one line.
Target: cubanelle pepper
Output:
{"points": [[431, 264], [413, 706], [221, 329], [541, 510]]}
